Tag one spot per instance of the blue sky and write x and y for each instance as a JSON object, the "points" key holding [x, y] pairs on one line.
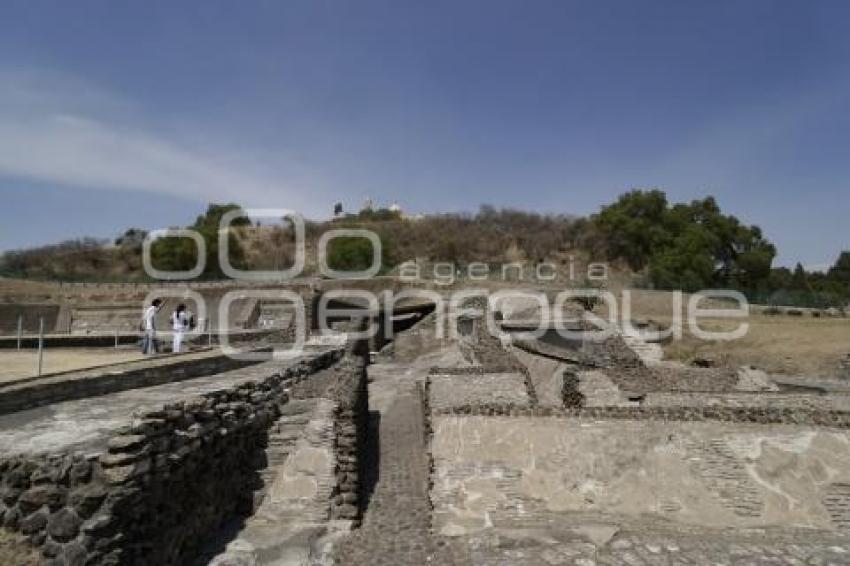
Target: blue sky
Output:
{"points": [[118, 114]]}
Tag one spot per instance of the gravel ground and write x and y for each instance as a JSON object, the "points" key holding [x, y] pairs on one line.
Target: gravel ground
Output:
{"points": [[15, 364]]}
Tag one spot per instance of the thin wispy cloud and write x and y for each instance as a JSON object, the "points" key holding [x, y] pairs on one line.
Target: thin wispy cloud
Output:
{"points": [[60, 130], [301, 105]]}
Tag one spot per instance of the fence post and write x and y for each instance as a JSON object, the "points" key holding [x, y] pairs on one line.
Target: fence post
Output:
{"points": [[209, 333], [40, 344], [116, 337], [20, 329]]}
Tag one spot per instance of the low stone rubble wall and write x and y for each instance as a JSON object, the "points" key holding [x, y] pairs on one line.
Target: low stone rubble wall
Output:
{"points": [[351, 424], [166, 482], [572, 396], [755, 415], [50, 500], [106, 339]]}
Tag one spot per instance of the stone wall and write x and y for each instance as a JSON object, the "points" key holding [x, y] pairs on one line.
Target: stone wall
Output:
{"points": [[106, 339], [91, 307], [573, 398], [346, 386], [36, 392], [167, 481], [351, 424], [30, 315]]}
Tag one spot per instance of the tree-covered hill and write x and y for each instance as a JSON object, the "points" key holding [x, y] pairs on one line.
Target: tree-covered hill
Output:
{"points": [[664, 245]]}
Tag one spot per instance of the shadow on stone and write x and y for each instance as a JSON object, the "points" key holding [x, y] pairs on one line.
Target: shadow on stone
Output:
{"points": [[371, 460]]}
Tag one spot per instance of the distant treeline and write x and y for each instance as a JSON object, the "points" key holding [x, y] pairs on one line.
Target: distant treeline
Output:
{"points": [[688, 246]]}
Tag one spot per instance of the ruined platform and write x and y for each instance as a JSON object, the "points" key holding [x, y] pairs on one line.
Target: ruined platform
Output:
{"points": [[480, 449]]}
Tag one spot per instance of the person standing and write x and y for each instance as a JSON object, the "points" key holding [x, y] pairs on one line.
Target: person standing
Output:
{"points": [[149, 346], [179, 324]]}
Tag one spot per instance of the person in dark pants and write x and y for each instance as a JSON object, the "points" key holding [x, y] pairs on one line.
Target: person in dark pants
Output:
{"points": [[149, 345]]}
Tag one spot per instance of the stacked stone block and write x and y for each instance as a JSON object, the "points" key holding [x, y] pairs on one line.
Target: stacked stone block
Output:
{"points": [[165, 483], [351, 425]]}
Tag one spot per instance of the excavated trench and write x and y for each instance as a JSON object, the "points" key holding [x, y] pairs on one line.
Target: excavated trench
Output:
{"points": [[96, 483], [215, 464], [325, 460]]}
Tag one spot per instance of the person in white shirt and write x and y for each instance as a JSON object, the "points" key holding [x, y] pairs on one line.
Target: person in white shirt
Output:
{"points": [[149, 327], [179, 324]]}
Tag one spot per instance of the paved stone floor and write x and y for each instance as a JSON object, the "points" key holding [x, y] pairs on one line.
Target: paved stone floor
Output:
{"points": [[398, 524], [293, 513], [496, 389], [86, 424], [529, 473]]}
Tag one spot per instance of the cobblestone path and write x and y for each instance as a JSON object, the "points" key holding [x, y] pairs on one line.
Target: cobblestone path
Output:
{"points": [[396, 526]]}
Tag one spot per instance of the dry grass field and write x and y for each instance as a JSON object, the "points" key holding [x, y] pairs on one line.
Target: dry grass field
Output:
{"points": [[778, 344], [792, 345]]}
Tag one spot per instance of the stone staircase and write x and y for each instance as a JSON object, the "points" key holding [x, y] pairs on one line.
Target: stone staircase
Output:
{"points": [[283, 436], [291, 523]]}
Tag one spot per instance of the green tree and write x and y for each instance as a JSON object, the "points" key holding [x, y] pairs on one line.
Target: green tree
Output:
{"points": [[207, 225], [356, 254], [840, 271], [633, 228], [687, 246], [687, 263], [180, 254], [799, 279], [174, 254]]}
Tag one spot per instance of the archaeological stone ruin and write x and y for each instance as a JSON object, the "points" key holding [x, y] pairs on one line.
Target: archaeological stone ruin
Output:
{"points": [[450, 436]]}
